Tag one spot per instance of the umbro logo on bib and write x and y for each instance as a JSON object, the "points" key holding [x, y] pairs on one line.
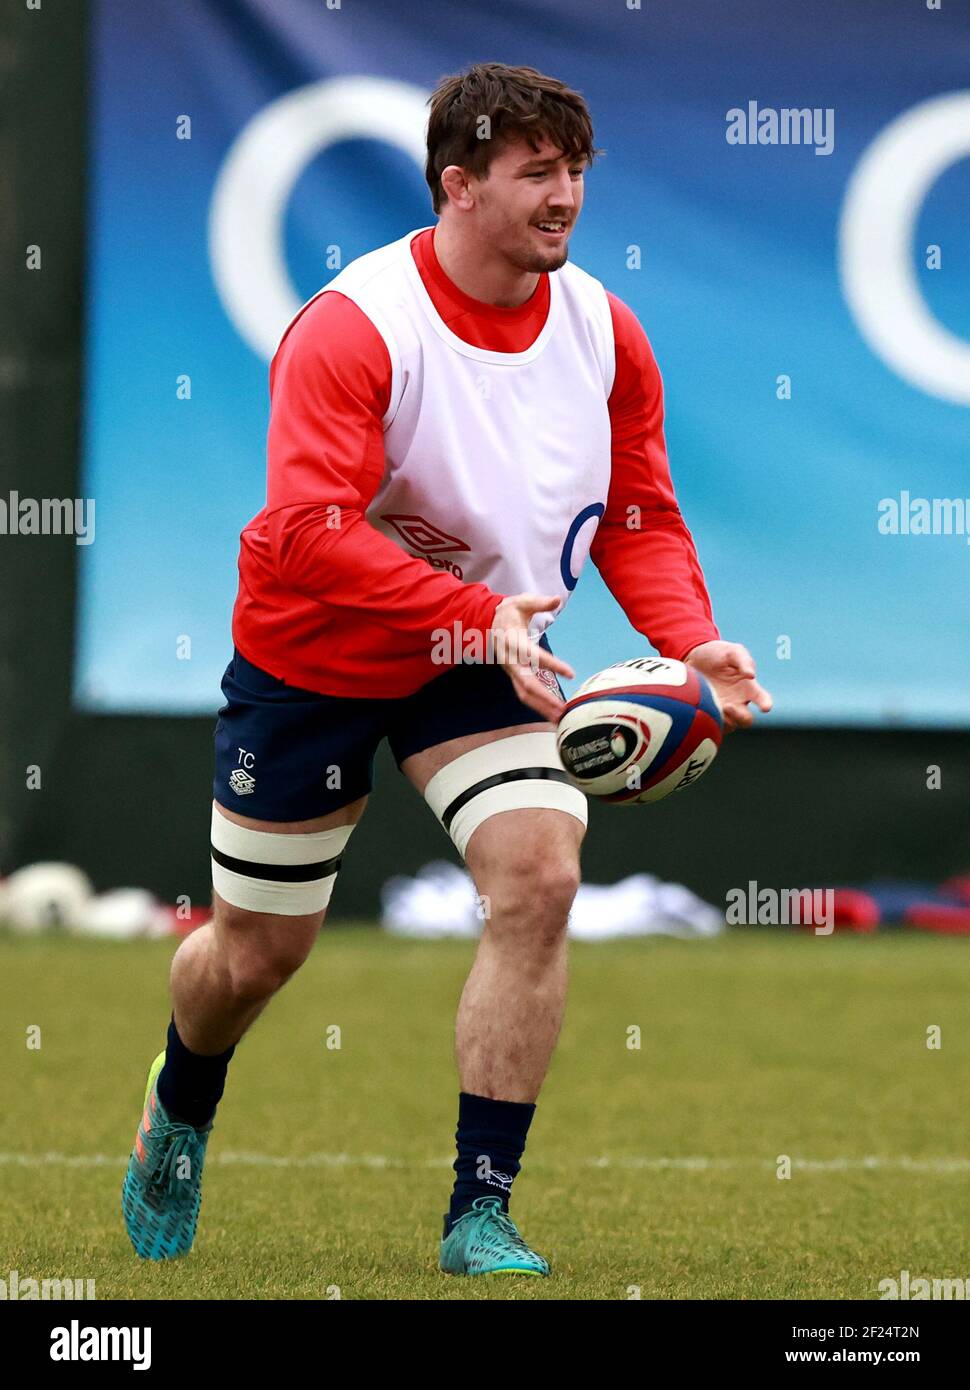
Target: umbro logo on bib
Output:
{"points": [[414, 530], [428, 539]]}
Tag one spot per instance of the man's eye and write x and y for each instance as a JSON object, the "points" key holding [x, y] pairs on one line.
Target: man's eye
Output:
{"points": [[535, 176]]}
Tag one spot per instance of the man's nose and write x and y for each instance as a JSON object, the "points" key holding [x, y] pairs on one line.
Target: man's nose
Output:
{"points": [[564, 194]]}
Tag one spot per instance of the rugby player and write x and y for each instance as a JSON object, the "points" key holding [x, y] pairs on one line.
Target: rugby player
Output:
{"points": [[457, 419]]}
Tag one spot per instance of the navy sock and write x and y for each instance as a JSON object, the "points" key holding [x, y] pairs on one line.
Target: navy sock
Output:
{"points": [[491, 1140], [190, 1086]]}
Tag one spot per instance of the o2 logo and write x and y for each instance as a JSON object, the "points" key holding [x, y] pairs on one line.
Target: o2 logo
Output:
{"points": [[595, 509]]}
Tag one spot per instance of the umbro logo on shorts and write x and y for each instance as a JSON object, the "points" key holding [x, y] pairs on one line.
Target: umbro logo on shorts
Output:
{"points": [[241, 782]]}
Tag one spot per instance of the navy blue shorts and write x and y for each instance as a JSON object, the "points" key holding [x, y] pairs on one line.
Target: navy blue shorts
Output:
{"points": [[286, 754]]}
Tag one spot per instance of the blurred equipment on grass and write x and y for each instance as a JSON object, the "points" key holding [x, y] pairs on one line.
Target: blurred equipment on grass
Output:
{"points": [[61, 897], [442, 902], [44, 895]]}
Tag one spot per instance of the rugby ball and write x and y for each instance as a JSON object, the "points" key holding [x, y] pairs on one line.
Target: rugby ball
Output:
{"points": [[640, 730]]}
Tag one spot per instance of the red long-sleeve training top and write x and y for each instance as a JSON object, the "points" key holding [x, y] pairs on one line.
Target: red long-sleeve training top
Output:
{"points": [[328, 603]]}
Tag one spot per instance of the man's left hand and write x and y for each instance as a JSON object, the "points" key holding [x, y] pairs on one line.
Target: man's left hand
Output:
{"points": [[730, 669]]}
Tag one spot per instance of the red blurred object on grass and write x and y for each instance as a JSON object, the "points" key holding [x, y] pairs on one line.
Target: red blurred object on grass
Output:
{"points": [[181, 923], [852, 910], [939, 917]]}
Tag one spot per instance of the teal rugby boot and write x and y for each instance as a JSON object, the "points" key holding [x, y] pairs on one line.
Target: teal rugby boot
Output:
{"points": [[162, 1190], [485, 1241]]}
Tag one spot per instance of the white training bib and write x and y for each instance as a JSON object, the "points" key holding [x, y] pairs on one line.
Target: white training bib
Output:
{"points": [[497, 463]]}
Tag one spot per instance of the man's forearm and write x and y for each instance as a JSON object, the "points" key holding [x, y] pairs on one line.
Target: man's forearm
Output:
{"points": [[655, 576], [336, 556]]}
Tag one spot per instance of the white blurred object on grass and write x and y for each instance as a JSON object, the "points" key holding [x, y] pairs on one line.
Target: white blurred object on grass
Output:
{"points": [[441, 902], [41, 896]]}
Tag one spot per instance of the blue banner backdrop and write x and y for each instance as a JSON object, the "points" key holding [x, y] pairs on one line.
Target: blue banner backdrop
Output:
{"points": [[782, 202]]}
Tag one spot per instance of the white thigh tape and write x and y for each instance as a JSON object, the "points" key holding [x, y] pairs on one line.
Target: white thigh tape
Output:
{"points": [[290, 875], [509, 774]]}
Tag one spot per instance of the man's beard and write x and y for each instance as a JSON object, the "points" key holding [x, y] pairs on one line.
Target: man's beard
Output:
{"points": [[534, 263]]}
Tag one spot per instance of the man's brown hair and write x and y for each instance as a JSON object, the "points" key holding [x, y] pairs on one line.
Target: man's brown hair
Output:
{"points": [[518, 102]]}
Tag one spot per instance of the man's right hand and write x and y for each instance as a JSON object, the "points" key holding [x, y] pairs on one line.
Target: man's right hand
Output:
{"points": [[517, 654]]}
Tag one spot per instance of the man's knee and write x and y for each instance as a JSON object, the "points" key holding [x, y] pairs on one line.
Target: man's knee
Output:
{"points": [[531, 895], [260, 954]]}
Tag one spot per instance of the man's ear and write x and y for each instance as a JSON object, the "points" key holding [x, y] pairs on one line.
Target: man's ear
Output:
{"points": [[454, 181]]}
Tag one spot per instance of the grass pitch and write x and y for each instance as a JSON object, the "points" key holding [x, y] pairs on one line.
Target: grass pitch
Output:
{"points": [[650, 1171]]}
